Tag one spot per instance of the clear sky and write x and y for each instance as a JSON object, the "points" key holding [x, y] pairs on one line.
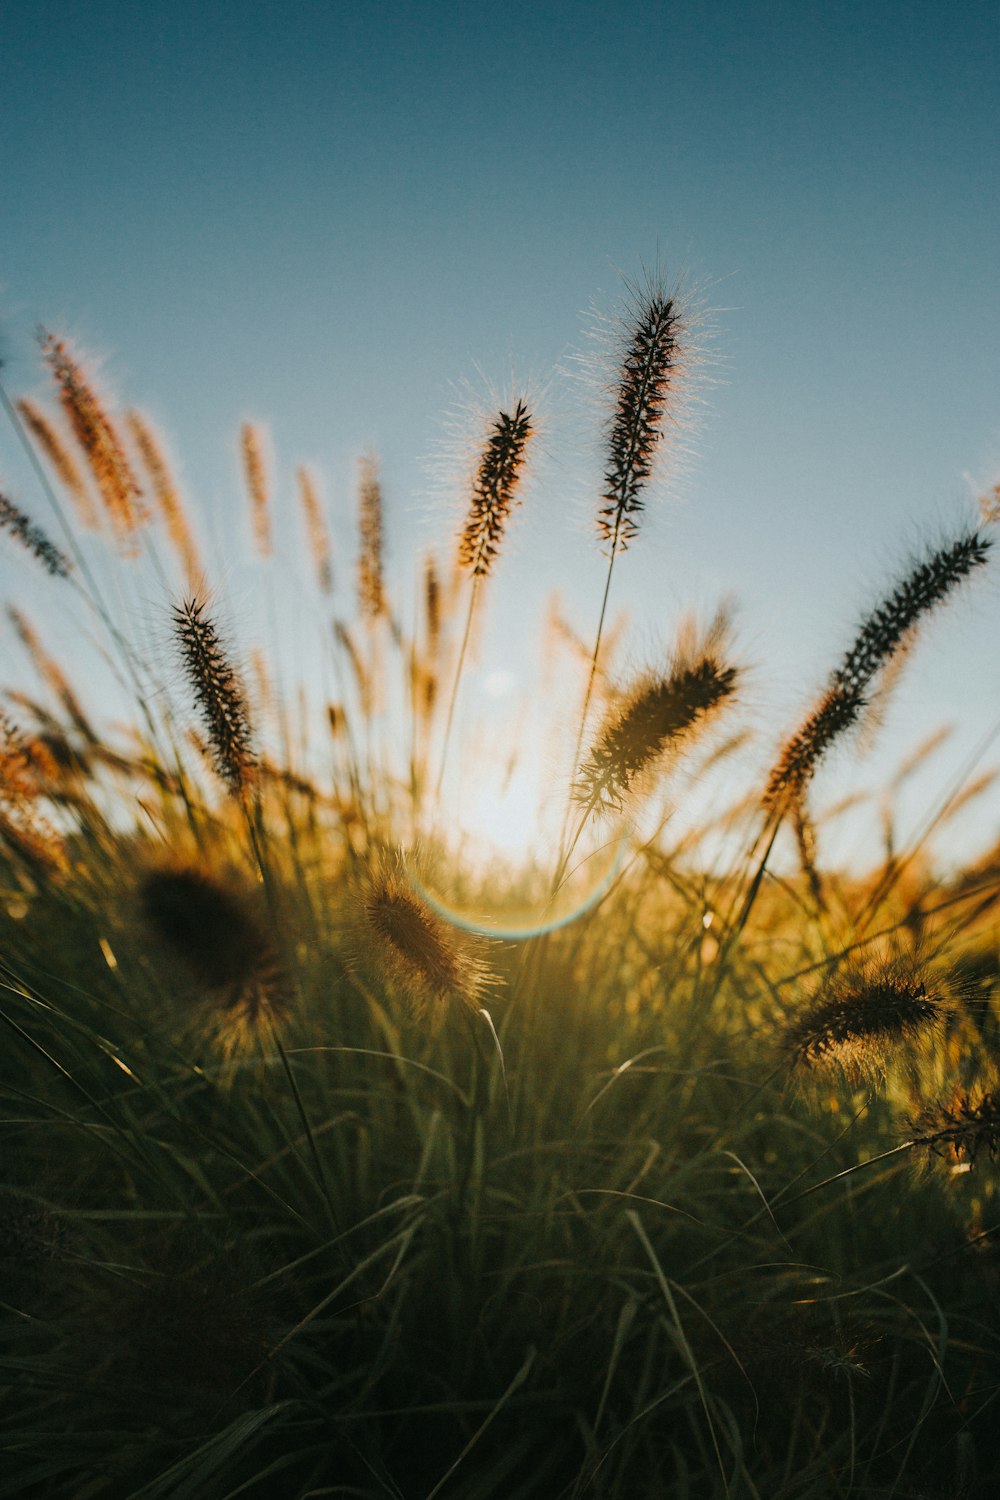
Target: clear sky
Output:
{"points": [[323, 215]]}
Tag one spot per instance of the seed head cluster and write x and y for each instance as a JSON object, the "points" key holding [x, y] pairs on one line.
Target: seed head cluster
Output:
{"points": [[648, 369], [218, 692], [494, 489]]}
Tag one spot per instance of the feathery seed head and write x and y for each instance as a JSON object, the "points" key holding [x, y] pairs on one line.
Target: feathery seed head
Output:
{"points": [[252, 449], [961, 1128], [218, 692], [371, 585], [316, 529], [216, 931], [33, 539], [167, 497], [98, 440], [648, 370], [857, 1020], [661, 714], [888, 628], [205, 923], [494, 489], [61, 461], [432, 963]]}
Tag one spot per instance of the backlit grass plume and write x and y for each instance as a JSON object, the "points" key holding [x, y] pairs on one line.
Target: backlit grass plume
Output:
{"points": [[859, 1019], [660, 714], [316, 529], [62, 462], [33, 539], [961, 1128], [494, 489], [649, 366], [218, 692], [168, 498], [99, 442], [433, 963], [217, 934], [252, 450], [882, 633], [371, 560]]}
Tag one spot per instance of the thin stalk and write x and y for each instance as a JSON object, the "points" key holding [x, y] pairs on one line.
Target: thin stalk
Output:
{"points": [[474, 595]]}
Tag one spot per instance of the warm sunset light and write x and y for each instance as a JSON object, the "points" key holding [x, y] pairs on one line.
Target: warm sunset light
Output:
{"points": [[500, 751]]}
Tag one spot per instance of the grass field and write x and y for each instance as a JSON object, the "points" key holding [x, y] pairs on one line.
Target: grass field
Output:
{"points": [[675, 1177]]}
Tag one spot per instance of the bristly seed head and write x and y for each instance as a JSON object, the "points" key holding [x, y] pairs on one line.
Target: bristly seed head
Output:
{"points": [[648, 368], [33, 539], [855, 1022], [494, 489], [961, 1128], [660, 714], [218, 934], [883, 633], [218, 692], [98, 440], [432, 963], [371, 562]]}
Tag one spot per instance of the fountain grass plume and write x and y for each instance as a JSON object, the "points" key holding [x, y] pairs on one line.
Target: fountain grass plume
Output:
{"points": [[434, 964], [371, 559], [216, 931], [884, 631], [33, 539], [860, 1018], [494, 489], [175, 518], [218, 693], [255, 475], [648, 370], [961, 1128], [659, 714], [98, 441], [316, 529], [60, 459]]}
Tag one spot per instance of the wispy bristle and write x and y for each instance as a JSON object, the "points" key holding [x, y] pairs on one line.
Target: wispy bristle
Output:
{"points": [[62, 462], [252, 449], [494, 489], [856, 1021], [316, 529], [99, 442], [432, 962], [167, 498], [218, 692], [883, 632], [33, 539], [371, 587], [647, 371]]}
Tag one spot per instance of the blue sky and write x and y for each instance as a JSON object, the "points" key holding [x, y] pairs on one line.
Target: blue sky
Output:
{"points": [[322, 216]]}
